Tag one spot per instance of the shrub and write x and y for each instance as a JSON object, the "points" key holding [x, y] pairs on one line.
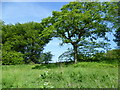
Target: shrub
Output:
{"points": [[46, 57], [12, 58]]}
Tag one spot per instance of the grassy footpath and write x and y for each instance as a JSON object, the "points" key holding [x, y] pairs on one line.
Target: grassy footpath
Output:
{"points": [[81, 75]]}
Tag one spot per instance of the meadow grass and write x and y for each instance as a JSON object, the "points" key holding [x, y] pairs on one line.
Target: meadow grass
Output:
{"points": [[81, 75], [0, 76]]}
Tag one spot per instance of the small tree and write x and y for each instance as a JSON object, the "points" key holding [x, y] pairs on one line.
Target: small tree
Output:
{"points": [[66, 56], [46, 57]]}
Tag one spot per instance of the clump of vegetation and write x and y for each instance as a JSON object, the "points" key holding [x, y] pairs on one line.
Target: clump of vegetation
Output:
{"points": [[26, 41], [12, 58]]}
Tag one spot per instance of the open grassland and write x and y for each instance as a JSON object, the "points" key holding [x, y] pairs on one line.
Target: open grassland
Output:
{"points": [[81, 75]]}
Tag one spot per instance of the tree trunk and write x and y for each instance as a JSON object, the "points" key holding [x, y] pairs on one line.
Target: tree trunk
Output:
{"points": [[75, 53]]}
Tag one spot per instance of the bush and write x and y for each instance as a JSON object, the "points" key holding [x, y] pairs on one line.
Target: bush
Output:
{"points": [[46, 57], [113, 54], [12, 58]]}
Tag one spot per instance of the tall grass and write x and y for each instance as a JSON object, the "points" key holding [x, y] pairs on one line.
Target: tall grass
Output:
{"points": [[81, 75], [0, 76]]}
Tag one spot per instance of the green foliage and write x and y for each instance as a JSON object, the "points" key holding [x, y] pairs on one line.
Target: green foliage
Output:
{"points": [[117, 37], [80, 21], [80, 75], [117, 31], [113, 55], [87, 53], [1, 24], [12, 58], [99, 56], [24, 38], [67, 55], [46, 57]]}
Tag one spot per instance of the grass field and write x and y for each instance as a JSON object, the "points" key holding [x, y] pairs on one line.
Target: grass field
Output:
{"points": [[81, 75]]}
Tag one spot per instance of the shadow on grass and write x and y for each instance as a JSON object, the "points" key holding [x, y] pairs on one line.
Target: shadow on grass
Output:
{"points": [[44, 66], [52, 65], [66, 64], [57, 65]]}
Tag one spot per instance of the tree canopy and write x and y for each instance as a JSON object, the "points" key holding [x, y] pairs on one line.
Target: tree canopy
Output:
{"points": [[79, 22], [82, 24], [25, 40]]}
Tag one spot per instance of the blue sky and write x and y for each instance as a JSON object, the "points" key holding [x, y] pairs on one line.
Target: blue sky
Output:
{"points": [[14, 12]]}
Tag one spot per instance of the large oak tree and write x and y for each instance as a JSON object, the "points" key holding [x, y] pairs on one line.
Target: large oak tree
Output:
{"points": [[81, 21]]}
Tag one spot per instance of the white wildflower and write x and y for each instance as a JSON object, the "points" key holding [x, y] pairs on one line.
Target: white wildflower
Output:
{"points": [[46, 71], [46, 83], [40, 75]]}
